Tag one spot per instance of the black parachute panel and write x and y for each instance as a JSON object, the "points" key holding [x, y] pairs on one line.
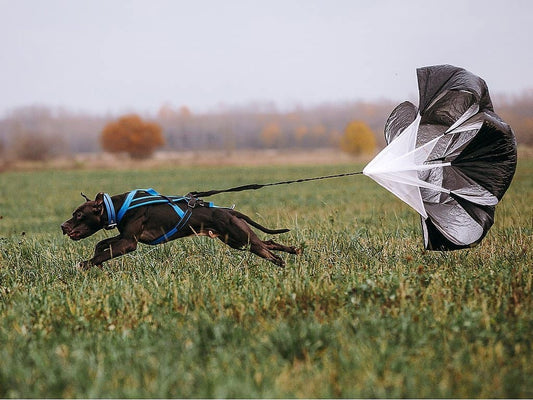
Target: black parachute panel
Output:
{"points": [[462, 157]]}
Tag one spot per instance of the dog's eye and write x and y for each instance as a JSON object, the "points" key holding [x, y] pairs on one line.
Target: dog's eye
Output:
{"points": [[79, 215]]}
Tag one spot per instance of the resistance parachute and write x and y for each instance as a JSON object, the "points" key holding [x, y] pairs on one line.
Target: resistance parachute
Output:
{"points": [[452, 159]]}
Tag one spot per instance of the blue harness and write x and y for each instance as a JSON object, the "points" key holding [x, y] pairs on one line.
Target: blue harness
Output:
{"points": [[144, 197]]}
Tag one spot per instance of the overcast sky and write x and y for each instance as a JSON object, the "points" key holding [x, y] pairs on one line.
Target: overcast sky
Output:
{"points": [[116, 55]]}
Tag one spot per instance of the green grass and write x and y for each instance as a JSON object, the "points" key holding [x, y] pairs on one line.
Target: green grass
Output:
{"points": [[364, 312]]}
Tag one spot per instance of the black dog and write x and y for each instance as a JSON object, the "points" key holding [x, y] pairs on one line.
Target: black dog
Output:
{"points": [[146, 216]]}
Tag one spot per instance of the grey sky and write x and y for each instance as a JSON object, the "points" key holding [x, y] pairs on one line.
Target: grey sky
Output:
{"points": [[111, 55]]}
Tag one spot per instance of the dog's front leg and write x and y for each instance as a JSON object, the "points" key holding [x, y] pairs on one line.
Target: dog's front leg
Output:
{"points": [[108, 249]]}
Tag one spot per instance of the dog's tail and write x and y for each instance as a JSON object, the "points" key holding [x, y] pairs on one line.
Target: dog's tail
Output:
{"points": [[258, 226]]}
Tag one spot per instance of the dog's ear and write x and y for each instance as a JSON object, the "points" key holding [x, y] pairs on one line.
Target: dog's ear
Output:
{"points": [[85, 197], [99, 203], [99, 199]]}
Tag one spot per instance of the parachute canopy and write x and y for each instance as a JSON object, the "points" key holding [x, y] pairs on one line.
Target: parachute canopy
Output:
{"points": [[452, 159]]}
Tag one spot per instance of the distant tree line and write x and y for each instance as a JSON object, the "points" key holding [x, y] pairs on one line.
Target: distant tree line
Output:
{"points": [[38, 132]]}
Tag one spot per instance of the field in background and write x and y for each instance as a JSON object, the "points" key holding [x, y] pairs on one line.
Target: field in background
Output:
{"points": [[170, 159], [364, 312]]}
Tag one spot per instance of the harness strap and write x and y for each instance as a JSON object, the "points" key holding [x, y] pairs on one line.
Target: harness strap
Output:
{"points": [[153, 198], [166, 236], [110, 210], [126, 205], [184, 216]]}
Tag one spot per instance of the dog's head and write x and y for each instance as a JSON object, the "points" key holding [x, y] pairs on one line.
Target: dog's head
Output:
{"points": [[86, 219]]}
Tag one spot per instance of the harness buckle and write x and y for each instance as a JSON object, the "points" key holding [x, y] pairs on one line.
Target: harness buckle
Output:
{"points": [[192, 202]]}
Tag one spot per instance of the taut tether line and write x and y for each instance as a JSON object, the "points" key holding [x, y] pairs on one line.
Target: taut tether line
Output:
{"points": [[255, 186]]}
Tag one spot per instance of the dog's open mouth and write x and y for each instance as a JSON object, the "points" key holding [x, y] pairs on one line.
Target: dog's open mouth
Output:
{"points": [[74, 235]]}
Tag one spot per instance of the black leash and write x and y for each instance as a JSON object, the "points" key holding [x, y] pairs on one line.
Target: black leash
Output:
{"points": [[255, 186]]}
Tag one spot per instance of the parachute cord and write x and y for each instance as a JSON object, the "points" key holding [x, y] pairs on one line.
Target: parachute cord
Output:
{"points": [[256, 186]]}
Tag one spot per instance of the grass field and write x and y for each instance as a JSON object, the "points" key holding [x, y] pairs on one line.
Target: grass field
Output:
{"points": [[364, 312]]}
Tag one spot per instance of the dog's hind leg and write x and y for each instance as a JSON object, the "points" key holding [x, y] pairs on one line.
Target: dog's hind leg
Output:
{"points": [[239, 235], [256, 246], [262, 251], [271, 245]]}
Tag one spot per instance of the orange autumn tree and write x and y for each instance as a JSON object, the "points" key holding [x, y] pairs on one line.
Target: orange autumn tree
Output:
{"points": [[271, 135], [358, 139], [130, 134]]}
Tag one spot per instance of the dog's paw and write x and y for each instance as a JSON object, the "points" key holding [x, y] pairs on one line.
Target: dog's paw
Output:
{"points": [[84, 265]]}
